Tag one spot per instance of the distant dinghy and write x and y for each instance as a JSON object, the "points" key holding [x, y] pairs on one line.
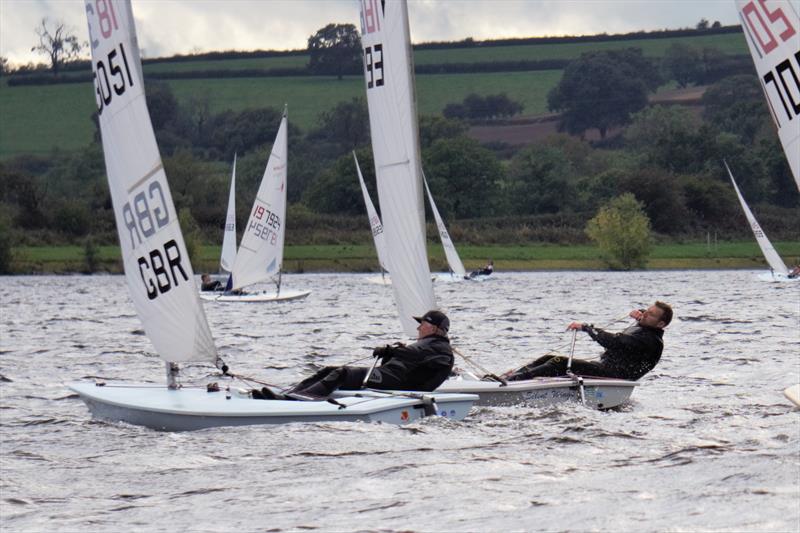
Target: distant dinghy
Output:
{"points": [[260, 254], [161, 280]]}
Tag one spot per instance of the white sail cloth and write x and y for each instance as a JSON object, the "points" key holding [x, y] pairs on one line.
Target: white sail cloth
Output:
{"points": [[157, 267], [395, 145], [374, 220], [772, 257], [260, 254], [772, 32], [450, 252], [228, 256]]}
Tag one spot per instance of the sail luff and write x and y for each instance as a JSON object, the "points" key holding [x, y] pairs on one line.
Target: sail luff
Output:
{"points": [[770, 254], [772, 33], [375, 223], [157, 267], [260, 253], [450, 252], [395, 145], [228, 256]]}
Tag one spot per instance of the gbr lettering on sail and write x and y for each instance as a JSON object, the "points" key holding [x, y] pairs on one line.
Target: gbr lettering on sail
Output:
{"points": [[150, 237], [373, 54]]}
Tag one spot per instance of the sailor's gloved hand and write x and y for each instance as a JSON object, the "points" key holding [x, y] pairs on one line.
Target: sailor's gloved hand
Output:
{"points": [[382, 351]]}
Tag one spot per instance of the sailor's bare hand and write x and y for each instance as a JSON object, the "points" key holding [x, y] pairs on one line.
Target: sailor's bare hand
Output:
{"points": [[575, 325], [636, 314]]}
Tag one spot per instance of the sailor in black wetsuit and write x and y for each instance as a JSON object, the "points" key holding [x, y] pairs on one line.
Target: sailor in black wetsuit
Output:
{"points": [[206, 284], [629, 355], [421, 366]]}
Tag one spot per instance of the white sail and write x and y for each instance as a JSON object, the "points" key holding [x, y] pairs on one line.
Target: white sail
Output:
{"points": [[228, 256], [456, 266], [772, 257], [157, 268], [374, 220], [772, 30], [260, 254], [395, 145]]}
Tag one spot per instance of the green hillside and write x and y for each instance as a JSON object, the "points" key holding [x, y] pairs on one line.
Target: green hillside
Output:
{"points": [[36, 119]]}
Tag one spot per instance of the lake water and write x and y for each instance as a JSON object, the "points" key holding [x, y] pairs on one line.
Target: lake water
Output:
{"points": [[707, 443]]}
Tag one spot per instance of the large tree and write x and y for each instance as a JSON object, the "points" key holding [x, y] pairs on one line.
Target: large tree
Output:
{"points": [[602, 89], [59, 44], [335, 49]]}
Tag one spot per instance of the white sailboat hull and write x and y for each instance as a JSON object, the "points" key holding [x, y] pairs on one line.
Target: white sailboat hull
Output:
{"points": [[254, 297], [600, 393], [775, 276], [187, 409]]}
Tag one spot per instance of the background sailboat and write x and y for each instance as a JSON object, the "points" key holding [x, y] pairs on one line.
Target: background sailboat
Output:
{"points": [[260, 255], [376, 226], [228, 255], [160, 276], [776, 264], [457, 272]]}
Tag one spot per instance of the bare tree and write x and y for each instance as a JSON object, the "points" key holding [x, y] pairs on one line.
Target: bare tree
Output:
{"points": [[59, 45]]}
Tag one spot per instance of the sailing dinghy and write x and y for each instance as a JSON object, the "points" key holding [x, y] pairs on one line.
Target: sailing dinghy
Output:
{"points": [[776, 264], [389, 76], [457, 271], [161, 280], [260, 255], [376, 226]]}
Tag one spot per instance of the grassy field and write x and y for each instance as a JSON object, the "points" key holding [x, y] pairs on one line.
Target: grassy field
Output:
{"points": [[361, 258], [35, 119]]}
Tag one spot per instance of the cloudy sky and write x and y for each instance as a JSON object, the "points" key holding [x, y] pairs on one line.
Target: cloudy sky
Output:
{"points": [[168, 27]]}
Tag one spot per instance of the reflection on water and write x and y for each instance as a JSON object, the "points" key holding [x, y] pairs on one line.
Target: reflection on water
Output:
{"points": [[707, 443]]}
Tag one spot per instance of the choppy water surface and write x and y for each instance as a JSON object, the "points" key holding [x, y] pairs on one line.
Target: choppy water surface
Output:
{"points": [[707, 443]]}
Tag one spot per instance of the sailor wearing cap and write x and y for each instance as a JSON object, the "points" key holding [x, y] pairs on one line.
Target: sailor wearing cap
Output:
{"points": [[421, 366]]}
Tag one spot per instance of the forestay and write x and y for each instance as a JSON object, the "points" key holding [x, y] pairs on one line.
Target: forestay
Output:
{"points": [[772, 257], [772, 31], [456, 266], [395, 146], [228, 256], [374, 220], [260, 255], [157, 268]]}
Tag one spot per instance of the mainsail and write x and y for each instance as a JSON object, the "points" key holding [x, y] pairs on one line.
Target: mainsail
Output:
{"points": [[772, 257], [228, 256], [260, 255], [395, 145], [374, 220], [456, 266], [157, 267], [772, 32]]}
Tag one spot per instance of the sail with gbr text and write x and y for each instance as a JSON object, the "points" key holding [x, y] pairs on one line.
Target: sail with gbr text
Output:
{"points": [[157, 268], [772, 31], [260, 254], [395, 145]]}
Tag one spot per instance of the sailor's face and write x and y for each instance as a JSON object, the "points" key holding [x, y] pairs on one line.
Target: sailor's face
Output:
{"points": [[424, 329], [652, 317]]}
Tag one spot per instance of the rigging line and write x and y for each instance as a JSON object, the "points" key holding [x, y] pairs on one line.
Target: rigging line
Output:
{"points": [[479, 367]]}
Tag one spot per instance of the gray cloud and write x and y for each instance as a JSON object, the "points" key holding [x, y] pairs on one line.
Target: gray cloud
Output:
{"points": [[167, 27]]}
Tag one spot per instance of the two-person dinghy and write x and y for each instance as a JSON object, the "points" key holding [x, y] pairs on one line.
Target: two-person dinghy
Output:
{"points": [[260, 255], [395, 146], [161, 280]]}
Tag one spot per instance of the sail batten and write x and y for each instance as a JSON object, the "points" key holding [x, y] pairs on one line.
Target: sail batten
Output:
{"points": [[158, 271]]}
